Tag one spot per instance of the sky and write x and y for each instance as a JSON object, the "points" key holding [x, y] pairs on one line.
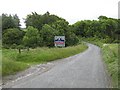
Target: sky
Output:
{"points": [[71, 10]]}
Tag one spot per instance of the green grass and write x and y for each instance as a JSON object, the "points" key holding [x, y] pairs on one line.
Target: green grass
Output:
{"points": [[14, 62], [11, 67], [0, 44], [110, 55], [0, 64]]}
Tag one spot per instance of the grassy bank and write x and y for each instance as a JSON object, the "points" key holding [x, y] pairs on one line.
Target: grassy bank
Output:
{"points": [[0, 44], [14, 62], [110, 56], [0, 63]]}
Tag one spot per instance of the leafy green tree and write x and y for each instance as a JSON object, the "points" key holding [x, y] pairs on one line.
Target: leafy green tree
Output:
{"points": [[48, 33], [83, 28], [63, 29], [109, 27], [38, 21], [102, 18], [12, 36], [71, 39], [104, 28], [78, 28], [9, 21], [61, 26], [0, 21], [16, 20], [0, 27], [32, 37]]}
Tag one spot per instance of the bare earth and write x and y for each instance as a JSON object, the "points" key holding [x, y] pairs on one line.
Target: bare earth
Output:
{"points": [[85, 70]]}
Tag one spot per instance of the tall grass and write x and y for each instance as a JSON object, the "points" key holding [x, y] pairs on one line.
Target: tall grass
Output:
{"points": [[0, 65], [49, 54], [14, 62], [0, 44], [110, 55], [12, 67]]}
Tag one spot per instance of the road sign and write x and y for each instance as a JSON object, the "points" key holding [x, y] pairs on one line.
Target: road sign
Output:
{"points": [[59, 41]]}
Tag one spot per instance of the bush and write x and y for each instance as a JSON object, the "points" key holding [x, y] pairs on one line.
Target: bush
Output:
{"points": [[31, 37], [12, 36]]}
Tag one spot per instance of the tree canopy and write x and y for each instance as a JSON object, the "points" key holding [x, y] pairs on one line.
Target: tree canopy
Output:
{"points": [[10, 21], [41, 29], [31, 37], [12, 36]]}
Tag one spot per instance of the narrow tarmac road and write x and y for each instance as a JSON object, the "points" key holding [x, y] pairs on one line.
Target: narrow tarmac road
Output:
{"points": [[85, 70]]}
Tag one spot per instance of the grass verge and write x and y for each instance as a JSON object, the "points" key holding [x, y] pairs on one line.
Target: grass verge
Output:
{"points": [[110, 57], [13, 62]]}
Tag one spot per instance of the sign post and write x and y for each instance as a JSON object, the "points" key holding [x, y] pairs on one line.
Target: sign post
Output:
{"points": [[59, 41]]}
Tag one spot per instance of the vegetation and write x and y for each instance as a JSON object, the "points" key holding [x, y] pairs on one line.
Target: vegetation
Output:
{"points": [[40, 31], [31, 37], [0, 64], [14, 62], [0, 44], [104, 28], [11, 67], [9, 21], [12, 36], [39, 27], [110, 55]]}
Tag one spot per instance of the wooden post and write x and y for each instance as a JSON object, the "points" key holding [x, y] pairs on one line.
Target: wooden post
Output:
{"points": [[27, 48], [19, 50]]}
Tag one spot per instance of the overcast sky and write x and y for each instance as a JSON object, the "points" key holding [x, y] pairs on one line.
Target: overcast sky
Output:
{"points": [[71, 10]]}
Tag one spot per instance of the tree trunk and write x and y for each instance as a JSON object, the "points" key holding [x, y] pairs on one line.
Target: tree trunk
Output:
{"points": [[20, 51], [28, 49]]}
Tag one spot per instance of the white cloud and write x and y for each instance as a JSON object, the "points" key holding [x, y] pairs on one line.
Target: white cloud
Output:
{"points": [[71, 10]]}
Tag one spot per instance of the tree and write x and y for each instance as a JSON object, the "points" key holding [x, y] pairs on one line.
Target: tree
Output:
{"points": [[83, 28], [32, 37], [0, 27], [102, 18], [12, 36], [78, 28], [34, 20], [48, 33], [0, 21], [61, 26], [16, 21], [38, 21], [109, 27], [9, 21], [71, 39]]}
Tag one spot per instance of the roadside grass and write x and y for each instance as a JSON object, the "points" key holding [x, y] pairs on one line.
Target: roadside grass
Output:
{"points": [[0, 64], [11, 67], [110, 56], [0, 44], [13, 62]]}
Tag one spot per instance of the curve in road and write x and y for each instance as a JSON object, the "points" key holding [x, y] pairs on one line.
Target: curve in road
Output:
{"points": [[85, 70]]}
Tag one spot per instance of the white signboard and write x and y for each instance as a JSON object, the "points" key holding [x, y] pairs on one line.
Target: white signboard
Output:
{"points": [[59, 41]]}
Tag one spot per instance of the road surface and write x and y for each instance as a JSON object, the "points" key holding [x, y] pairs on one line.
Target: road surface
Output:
{"points": [[85, 70]]}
